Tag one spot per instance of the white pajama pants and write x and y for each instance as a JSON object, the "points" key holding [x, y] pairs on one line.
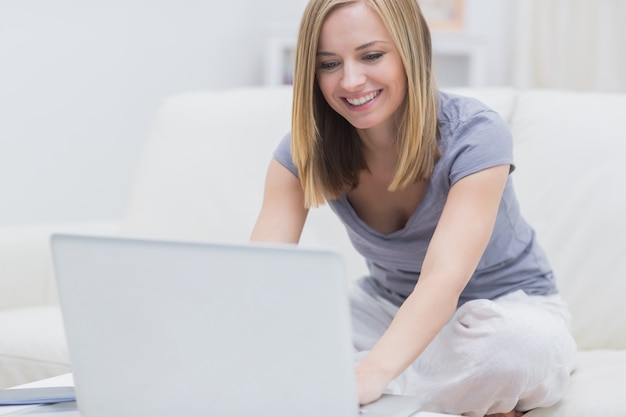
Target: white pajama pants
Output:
{"points": [[493, 356]]}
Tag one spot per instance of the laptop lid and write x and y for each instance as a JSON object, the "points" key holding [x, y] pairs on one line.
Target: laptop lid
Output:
{"points": [[164, 328]]}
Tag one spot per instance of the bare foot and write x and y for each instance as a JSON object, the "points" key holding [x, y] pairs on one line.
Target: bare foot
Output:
{"points": [[509, 414]]}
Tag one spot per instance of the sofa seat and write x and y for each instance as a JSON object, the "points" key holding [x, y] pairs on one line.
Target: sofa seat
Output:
{"points": [[32, 338], [596, 387], [32, 344]]}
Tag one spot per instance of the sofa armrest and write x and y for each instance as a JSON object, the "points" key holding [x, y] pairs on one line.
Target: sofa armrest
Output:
{"points": [[26, 272]]}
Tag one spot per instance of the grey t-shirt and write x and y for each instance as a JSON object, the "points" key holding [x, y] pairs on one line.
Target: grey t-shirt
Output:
{"points": [[473, 138]]}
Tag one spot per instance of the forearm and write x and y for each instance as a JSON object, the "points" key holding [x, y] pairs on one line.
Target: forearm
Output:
{"points": [[415, 325]]}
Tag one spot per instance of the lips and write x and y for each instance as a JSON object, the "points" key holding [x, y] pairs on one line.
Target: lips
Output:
{"points": [[363, 100]]}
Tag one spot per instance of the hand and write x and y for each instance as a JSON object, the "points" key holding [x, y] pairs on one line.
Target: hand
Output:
{"points": [[371, 382]]}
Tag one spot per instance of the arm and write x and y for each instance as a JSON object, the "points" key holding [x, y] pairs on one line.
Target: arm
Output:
{"points": [[283, 213], [458, 243]]}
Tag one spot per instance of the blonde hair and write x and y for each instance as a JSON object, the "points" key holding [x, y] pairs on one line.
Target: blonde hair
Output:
{"points": [[325, 147]]}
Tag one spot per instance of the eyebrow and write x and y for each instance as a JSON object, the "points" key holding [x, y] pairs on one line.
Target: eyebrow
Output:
{"points": [[358, 48]]}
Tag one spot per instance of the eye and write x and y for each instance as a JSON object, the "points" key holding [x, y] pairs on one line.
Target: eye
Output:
{"points": [[373, 56], [330, 65]]}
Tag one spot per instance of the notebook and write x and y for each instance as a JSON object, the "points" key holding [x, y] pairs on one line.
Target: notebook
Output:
{"points": [[162, 328]]}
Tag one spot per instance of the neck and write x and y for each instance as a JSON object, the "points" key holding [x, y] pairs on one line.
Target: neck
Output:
{"points": [[379, 144], [380, 154]]}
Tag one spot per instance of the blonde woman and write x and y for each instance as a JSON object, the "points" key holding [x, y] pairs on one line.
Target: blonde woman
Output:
{"points": [[460, 305]]}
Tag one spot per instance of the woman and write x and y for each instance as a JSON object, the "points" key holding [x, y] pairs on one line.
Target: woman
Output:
{"points": [[460, 307]]}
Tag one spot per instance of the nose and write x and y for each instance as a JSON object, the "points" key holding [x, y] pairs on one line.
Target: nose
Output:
{"points": [[352, 77]]}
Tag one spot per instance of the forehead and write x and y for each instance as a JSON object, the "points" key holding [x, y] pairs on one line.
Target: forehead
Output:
{"points": [[350, 23]]}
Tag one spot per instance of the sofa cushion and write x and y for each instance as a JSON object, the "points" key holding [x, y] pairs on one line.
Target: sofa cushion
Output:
{"points": [[201, 171], [26, 276], [596, 387], [36, 348], [26, 270], [570, 180]]}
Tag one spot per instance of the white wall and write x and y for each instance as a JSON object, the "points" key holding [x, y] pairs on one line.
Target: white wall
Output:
{"points": [[80, 81], [493, 22]]}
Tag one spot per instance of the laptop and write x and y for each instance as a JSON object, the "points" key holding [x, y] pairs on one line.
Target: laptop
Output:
{"points": [[163, 328]]}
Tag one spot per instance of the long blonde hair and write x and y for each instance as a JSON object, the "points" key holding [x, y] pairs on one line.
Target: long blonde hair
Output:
{"points": [[325, 147]]}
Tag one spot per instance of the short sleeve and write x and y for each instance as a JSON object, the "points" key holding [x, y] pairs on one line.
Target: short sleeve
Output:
{"points": [[282, 154], [480, 141]]}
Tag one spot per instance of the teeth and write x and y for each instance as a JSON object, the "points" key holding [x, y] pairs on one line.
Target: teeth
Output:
{"points": [[361, 101]]}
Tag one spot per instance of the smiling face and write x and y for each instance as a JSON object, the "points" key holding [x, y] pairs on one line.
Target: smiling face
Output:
{"points": [[359, 70]]}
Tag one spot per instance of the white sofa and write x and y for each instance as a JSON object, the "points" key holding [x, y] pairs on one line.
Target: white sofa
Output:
{"points": [[201, 177]]}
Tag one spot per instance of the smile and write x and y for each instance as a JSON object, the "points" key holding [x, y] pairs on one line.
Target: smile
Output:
{"points": [[363, 100]]}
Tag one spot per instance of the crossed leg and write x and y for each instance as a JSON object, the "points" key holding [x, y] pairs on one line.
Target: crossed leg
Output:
{"points": [[512, 354]]}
